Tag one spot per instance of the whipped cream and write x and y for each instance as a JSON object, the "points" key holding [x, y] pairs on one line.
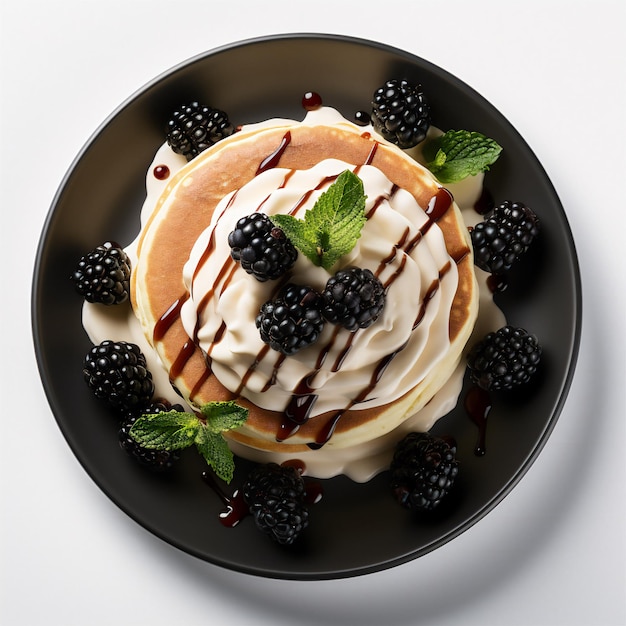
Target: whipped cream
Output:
{"points": [[387, 247]]}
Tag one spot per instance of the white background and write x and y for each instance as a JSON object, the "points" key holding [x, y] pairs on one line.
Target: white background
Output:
{"points": [[553, 553]]}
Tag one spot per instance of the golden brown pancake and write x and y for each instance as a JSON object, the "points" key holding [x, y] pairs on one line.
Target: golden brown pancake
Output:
{"points": [[184, 211]]}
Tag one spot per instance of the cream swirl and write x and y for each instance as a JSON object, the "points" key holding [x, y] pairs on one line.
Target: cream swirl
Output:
{"points": [[400, 243]]}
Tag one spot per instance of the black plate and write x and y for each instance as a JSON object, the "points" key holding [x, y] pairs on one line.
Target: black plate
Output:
{"points": [[355, 529]]}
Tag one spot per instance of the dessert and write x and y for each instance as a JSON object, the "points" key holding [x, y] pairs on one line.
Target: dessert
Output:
{"points": [[414, 239], [307, 295], [342, 403]]}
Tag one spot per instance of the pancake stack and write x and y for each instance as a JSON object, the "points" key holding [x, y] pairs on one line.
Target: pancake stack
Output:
{"points": [[197, 306]]}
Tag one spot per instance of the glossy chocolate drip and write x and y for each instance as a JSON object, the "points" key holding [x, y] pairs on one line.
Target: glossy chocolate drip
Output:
{"points": [[184, 355], [372, 154], [207, 361], [272, 160], [288, 175], [311, 101], [478, 405], [298, 410], [428, 296], [203, 378], [230, 267], [246, 377], [307, 194], [329, 427], [485, 202], [161, 172], [210, 247], [439, 205], [235, 508], [272, 379], [497, 283], [341, 357], [380, 200], [321, 358], [164, 323]]}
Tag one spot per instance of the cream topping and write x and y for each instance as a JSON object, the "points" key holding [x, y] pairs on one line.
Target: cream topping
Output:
{"points": [[395, 220]]}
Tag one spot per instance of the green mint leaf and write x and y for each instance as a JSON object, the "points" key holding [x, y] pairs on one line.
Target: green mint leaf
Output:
{"points": [[221, 416], [300, 236], [332, 226], [458, 154], [175, 430], [166, 431], [213, 447]]}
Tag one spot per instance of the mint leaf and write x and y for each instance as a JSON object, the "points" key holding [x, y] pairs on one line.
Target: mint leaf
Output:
{"points": [[166, 431], [176, 430], [300, 234], [217, 454], [221, 416], [332, 226], [458, 154]]}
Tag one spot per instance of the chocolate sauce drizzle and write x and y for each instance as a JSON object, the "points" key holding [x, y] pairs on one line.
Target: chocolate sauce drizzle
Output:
{"points": [[165, 322], [478, 406], [272, 159], [303, 398], [235, 507]]}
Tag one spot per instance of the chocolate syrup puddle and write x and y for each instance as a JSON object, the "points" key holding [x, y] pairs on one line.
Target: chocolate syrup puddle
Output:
{"points": [[298, 410], [485, 202], [477, 405], [497, 283], [235, 507]]}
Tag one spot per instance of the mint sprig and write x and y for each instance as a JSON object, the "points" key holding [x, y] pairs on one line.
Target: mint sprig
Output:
{"points": [[332, 226], [175, 430], [458, 154]]}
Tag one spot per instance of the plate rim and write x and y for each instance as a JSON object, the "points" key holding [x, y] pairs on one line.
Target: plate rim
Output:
{"points": [[496, 498]]}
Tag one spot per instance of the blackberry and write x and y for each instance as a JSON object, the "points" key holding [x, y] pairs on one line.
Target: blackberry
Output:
{"points": [[154, 459], [353, 298], [400, 113], [362, 118], [261, 247], [423, 471], [275, 495], [292, 321], [103, 275], [504, 359], [503, 236], [117, 374], [195, 127]]}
